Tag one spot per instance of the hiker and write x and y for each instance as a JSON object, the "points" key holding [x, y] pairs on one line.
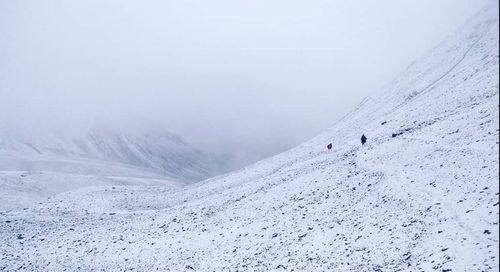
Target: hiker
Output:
{"points": [[363, 139], [329, 146]]}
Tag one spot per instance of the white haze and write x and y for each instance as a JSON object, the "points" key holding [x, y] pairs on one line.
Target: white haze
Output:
{"points": [[244, 78]]}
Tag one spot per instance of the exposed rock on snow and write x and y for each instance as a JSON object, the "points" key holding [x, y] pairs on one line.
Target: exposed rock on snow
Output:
{"points": [[426, 200]]}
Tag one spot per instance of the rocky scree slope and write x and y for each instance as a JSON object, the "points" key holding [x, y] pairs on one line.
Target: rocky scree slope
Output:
{"points": [[422, 195]]}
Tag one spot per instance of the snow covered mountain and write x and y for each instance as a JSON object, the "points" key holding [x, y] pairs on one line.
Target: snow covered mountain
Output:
{"points": [[421, 195], [159, 152], [32, 169]]}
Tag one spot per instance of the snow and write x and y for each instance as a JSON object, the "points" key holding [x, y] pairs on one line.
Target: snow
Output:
{"points": [[426, 199], [21, 189], [35, 168], [160, 152]]}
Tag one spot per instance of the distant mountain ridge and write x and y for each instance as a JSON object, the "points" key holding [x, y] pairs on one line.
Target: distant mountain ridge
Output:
{"points": [[162, 152]]}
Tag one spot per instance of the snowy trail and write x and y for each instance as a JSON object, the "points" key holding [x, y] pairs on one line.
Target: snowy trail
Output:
{"points": [[425, 199], [434, 83], [396, 176]]}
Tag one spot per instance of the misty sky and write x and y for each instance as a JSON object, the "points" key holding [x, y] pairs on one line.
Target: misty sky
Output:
{"points": [[243, 77]]}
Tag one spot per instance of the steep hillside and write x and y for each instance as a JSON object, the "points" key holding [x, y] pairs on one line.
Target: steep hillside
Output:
{"points": [[34, 168], [160, 152], [421, 195]]}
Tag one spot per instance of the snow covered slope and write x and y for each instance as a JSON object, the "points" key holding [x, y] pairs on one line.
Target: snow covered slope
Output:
{"points": [[422, 195], [21, 189], [32, 169], [161, 152]]}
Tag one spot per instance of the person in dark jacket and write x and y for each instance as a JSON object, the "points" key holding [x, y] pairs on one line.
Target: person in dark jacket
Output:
{"points": [[363, 139], [329, 146]]}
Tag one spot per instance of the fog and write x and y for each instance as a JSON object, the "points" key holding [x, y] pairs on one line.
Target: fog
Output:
{"points": [[244, 78]]}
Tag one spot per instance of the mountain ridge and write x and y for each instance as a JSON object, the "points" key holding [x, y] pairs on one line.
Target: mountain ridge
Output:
{"points": [[162, 153]]}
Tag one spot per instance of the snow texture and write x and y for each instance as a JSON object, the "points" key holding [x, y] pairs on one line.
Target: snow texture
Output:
{"points": [[32, 169], [158, 151], [421, 195]]}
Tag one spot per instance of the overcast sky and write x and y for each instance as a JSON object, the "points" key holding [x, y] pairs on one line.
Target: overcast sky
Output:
{"points": [[248, 77]]}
